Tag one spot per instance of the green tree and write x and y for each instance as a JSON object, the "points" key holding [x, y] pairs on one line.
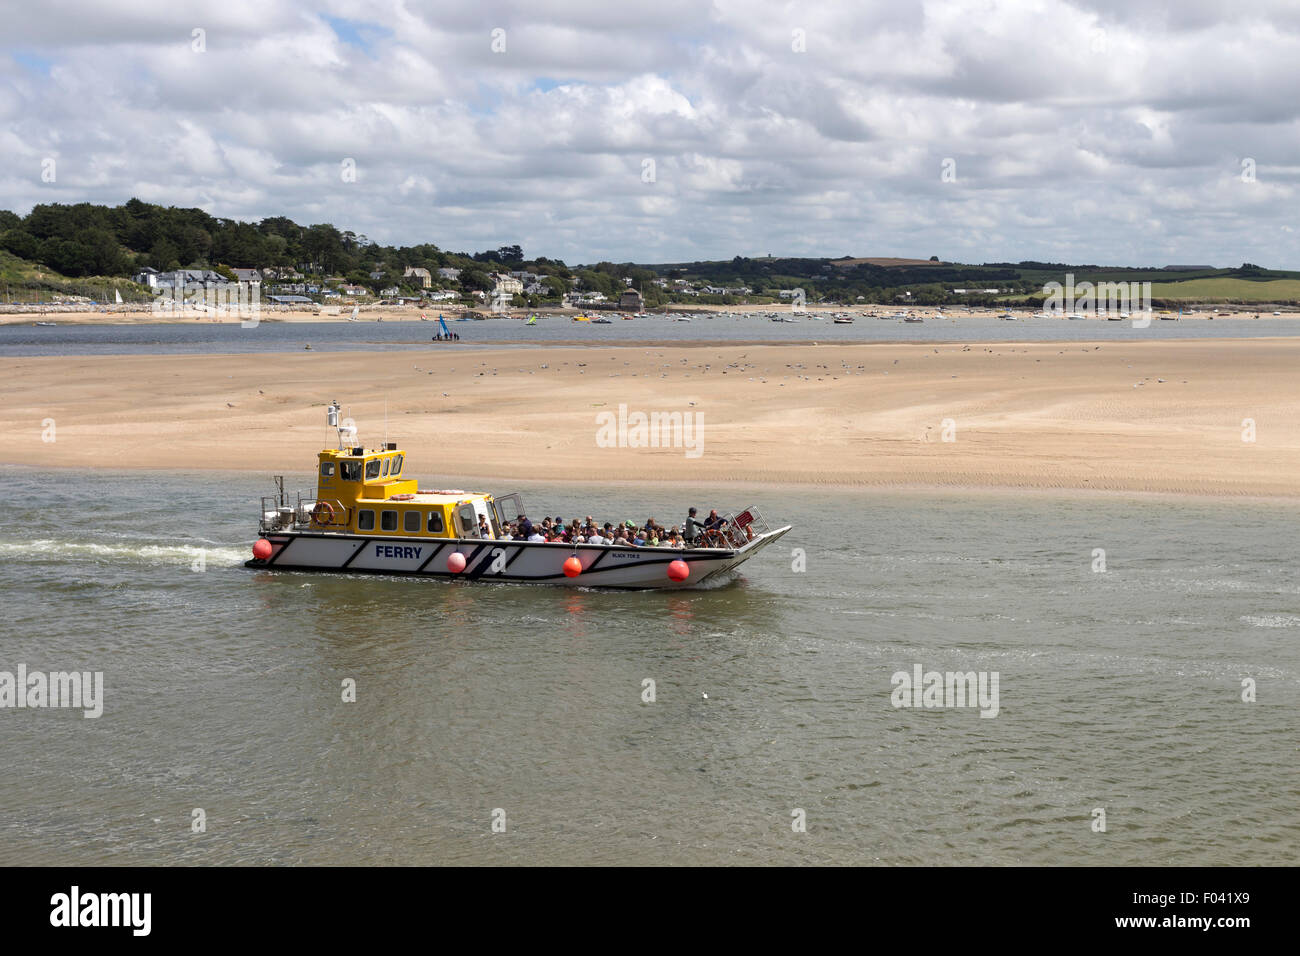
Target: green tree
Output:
{"points": [[21, 243], [477, 280]]}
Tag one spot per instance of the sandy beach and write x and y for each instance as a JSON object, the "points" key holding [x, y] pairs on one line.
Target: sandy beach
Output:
{"points": [[1138, 417]]}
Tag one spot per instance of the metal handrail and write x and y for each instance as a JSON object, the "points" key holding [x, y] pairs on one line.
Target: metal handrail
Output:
{"points": [[305, 516], [739, 528]]}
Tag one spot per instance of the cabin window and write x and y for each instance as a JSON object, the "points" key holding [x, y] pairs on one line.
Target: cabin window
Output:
{"points": [[350, 470], [388, 521], [365, 520], [387, 461], [327, 469], [411, 521], [397, 464], [468, 521], [372, 469], [435, 522]]}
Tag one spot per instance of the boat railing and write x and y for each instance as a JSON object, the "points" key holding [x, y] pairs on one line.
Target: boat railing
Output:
{"points": [[310, 514], [738, 529], [274, 516], [321, 514]]}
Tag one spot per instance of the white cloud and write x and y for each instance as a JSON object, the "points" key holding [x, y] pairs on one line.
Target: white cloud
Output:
{"points": [[1092, 131]]}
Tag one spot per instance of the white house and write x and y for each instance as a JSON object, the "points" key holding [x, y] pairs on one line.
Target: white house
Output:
{"points": [[507, 285]]}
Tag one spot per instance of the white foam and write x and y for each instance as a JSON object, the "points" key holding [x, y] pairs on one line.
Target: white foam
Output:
{"points": [[1271, 620], [148, 553]]}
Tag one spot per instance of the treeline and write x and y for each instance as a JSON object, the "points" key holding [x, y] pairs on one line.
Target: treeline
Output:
{"points": [[84, 239], [772, 272]]}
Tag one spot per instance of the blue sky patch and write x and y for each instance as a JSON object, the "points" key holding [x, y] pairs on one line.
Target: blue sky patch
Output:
{"points": [[356, 33]]}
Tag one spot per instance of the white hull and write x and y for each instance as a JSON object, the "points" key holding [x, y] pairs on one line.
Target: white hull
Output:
{"points": [[527, 562]]}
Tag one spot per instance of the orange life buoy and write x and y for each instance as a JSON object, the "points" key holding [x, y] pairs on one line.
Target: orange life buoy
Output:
{"points": [[402, 498], [323, 513]]}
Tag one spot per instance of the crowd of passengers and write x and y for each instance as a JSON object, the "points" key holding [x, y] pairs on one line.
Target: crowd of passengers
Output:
{"points": [[692, 533]]}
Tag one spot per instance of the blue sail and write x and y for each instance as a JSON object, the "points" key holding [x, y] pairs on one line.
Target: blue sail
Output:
{"points": [[445, 330]]}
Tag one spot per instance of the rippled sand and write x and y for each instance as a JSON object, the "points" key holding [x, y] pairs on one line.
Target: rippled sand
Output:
{"points": [[1166, 416]]}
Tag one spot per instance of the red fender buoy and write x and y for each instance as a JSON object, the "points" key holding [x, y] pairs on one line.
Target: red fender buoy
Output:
{"points": [[262, 549], [679, 570], [572, 567], [456, 562]]}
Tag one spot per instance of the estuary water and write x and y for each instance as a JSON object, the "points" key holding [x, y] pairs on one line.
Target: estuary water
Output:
{"points": [[340, 335], [1119, 690]]}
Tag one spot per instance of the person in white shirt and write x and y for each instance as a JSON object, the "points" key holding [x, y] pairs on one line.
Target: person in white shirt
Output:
{"points": [[536, 536]]}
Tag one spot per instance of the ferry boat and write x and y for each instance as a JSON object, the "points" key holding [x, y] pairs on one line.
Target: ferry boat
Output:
{"points": [[366, 517]]}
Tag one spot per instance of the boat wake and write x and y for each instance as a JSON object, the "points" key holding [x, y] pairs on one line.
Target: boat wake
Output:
{"points": [[154, 554]]}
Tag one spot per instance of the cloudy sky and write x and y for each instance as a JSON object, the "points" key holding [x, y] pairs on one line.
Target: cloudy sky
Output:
{"points": [[1106, 131]]}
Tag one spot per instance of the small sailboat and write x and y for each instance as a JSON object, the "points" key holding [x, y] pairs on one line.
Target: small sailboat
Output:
{"points": [[532, 320], [355, 310]]}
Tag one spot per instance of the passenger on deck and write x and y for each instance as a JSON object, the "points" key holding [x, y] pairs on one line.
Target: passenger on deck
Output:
{"points": [[693, 527], [483, 530]]}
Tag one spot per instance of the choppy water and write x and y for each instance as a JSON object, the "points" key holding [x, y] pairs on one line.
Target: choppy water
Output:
{"points": [[338, 335], [1119, 689]]}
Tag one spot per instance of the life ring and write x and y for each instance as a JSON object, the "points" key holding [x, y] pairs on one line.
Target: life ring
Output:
{"points": [[323, 513], [402, 498], [445, 491]]}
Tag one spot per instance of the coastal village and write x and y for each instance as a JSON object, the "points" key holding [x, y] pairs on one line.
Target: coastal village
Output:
{"points": [[418, 286]]}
